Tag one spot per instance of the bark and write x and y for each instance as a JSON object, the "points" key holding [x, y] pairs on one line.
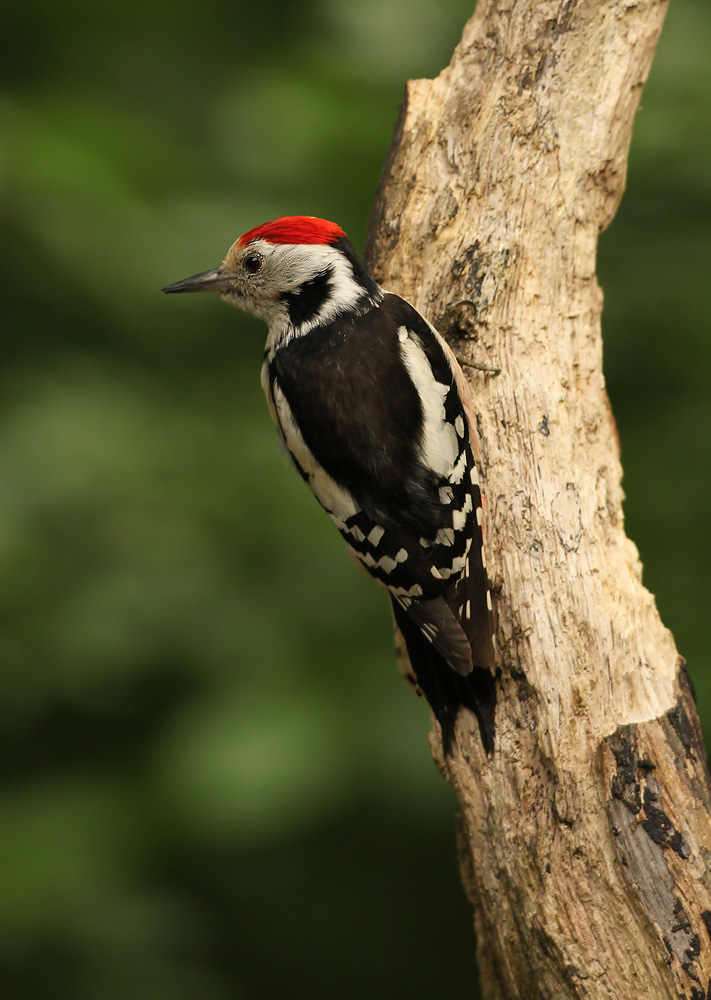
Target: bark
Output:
{"points": [[584, 836]]}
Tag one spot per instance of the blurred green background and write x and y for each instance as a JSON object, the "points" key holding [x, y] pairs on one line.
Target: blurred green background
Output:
{"points": [[215, 784]]}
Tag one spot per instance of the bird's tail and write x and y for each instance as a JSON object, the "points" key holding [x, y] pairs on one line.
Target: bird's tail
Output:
{"points": [[446, 690]]}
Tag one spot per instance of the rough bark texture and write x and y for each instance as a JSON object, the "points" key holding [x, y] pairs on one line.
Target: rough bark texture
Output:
{"points": [[584, 836]]}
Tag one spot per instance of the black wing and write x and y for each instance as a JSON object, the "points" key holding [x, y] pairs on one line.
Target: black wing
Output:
{"points": [[364, 395]]}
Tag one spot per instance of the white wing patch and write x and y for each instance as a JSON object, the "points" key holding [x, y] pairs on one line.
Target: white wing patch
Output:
{"points": [[440, 446], [386, 563], [376, 535], [459, 519], [455, 476]]}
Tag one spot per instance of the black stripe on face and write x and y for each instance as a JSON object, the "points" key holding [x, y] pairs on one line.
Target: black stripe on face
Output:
{"points": [[307, 301]]}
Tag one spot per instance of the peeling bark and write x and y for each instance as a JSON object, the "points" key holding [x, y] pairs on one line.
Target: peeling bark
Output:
{"points": [[584, 836]]}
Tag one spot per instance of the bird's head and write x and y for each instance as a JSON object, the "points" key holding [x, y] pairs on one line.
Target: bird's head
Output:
{"points": [[294, 272]]}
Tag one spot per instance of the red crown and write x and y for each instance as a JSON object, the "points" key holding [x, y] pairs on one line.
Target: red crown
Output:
{"points": [[294, 229]]}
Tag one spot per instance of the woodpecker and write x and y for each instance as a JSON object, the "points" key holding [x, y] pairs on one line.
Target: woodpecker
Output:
{"points": [[374, 411]]}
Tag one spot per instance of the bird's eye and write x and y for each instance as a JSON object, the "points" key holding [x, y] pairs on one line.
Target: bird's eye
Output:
{"points": [[253, 263]]}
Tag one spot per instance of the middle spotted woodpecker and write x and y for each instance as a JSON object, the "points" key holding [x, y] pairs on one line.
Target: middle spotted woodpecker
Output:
{"points": [[374, 411]]}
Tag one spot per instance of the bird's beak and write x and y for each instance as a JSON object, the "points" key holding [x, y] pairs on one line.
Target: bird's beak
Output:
{"points": [[216, 280]]}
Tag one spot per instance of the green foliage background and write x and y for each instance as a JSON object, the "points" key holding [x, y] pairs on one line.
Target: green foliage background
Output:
{"points": [[215, 784]]}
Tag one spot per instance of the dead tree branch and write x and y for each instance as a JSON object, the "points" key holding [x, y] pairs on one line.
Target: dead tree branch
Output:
{"points": [[584, 836]]}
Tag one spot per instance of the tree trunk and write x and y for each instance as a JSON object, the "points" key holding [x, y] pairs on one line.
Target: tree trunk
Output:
{"points": [[584, 836]]}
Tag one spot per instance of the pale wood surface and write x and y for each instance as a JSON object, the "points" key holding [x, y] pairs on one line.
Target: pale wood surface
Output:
{"points": [[584, 837]]}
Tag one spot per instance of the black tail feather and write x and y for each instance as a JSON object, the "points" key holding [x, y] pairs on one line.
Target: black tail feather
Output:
{"points": [[445, 690], [446, 633]]}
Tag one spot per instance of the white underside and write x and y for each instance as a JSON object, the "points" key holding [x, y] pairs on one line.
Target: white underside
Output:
{"points": [[337, 501]]}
